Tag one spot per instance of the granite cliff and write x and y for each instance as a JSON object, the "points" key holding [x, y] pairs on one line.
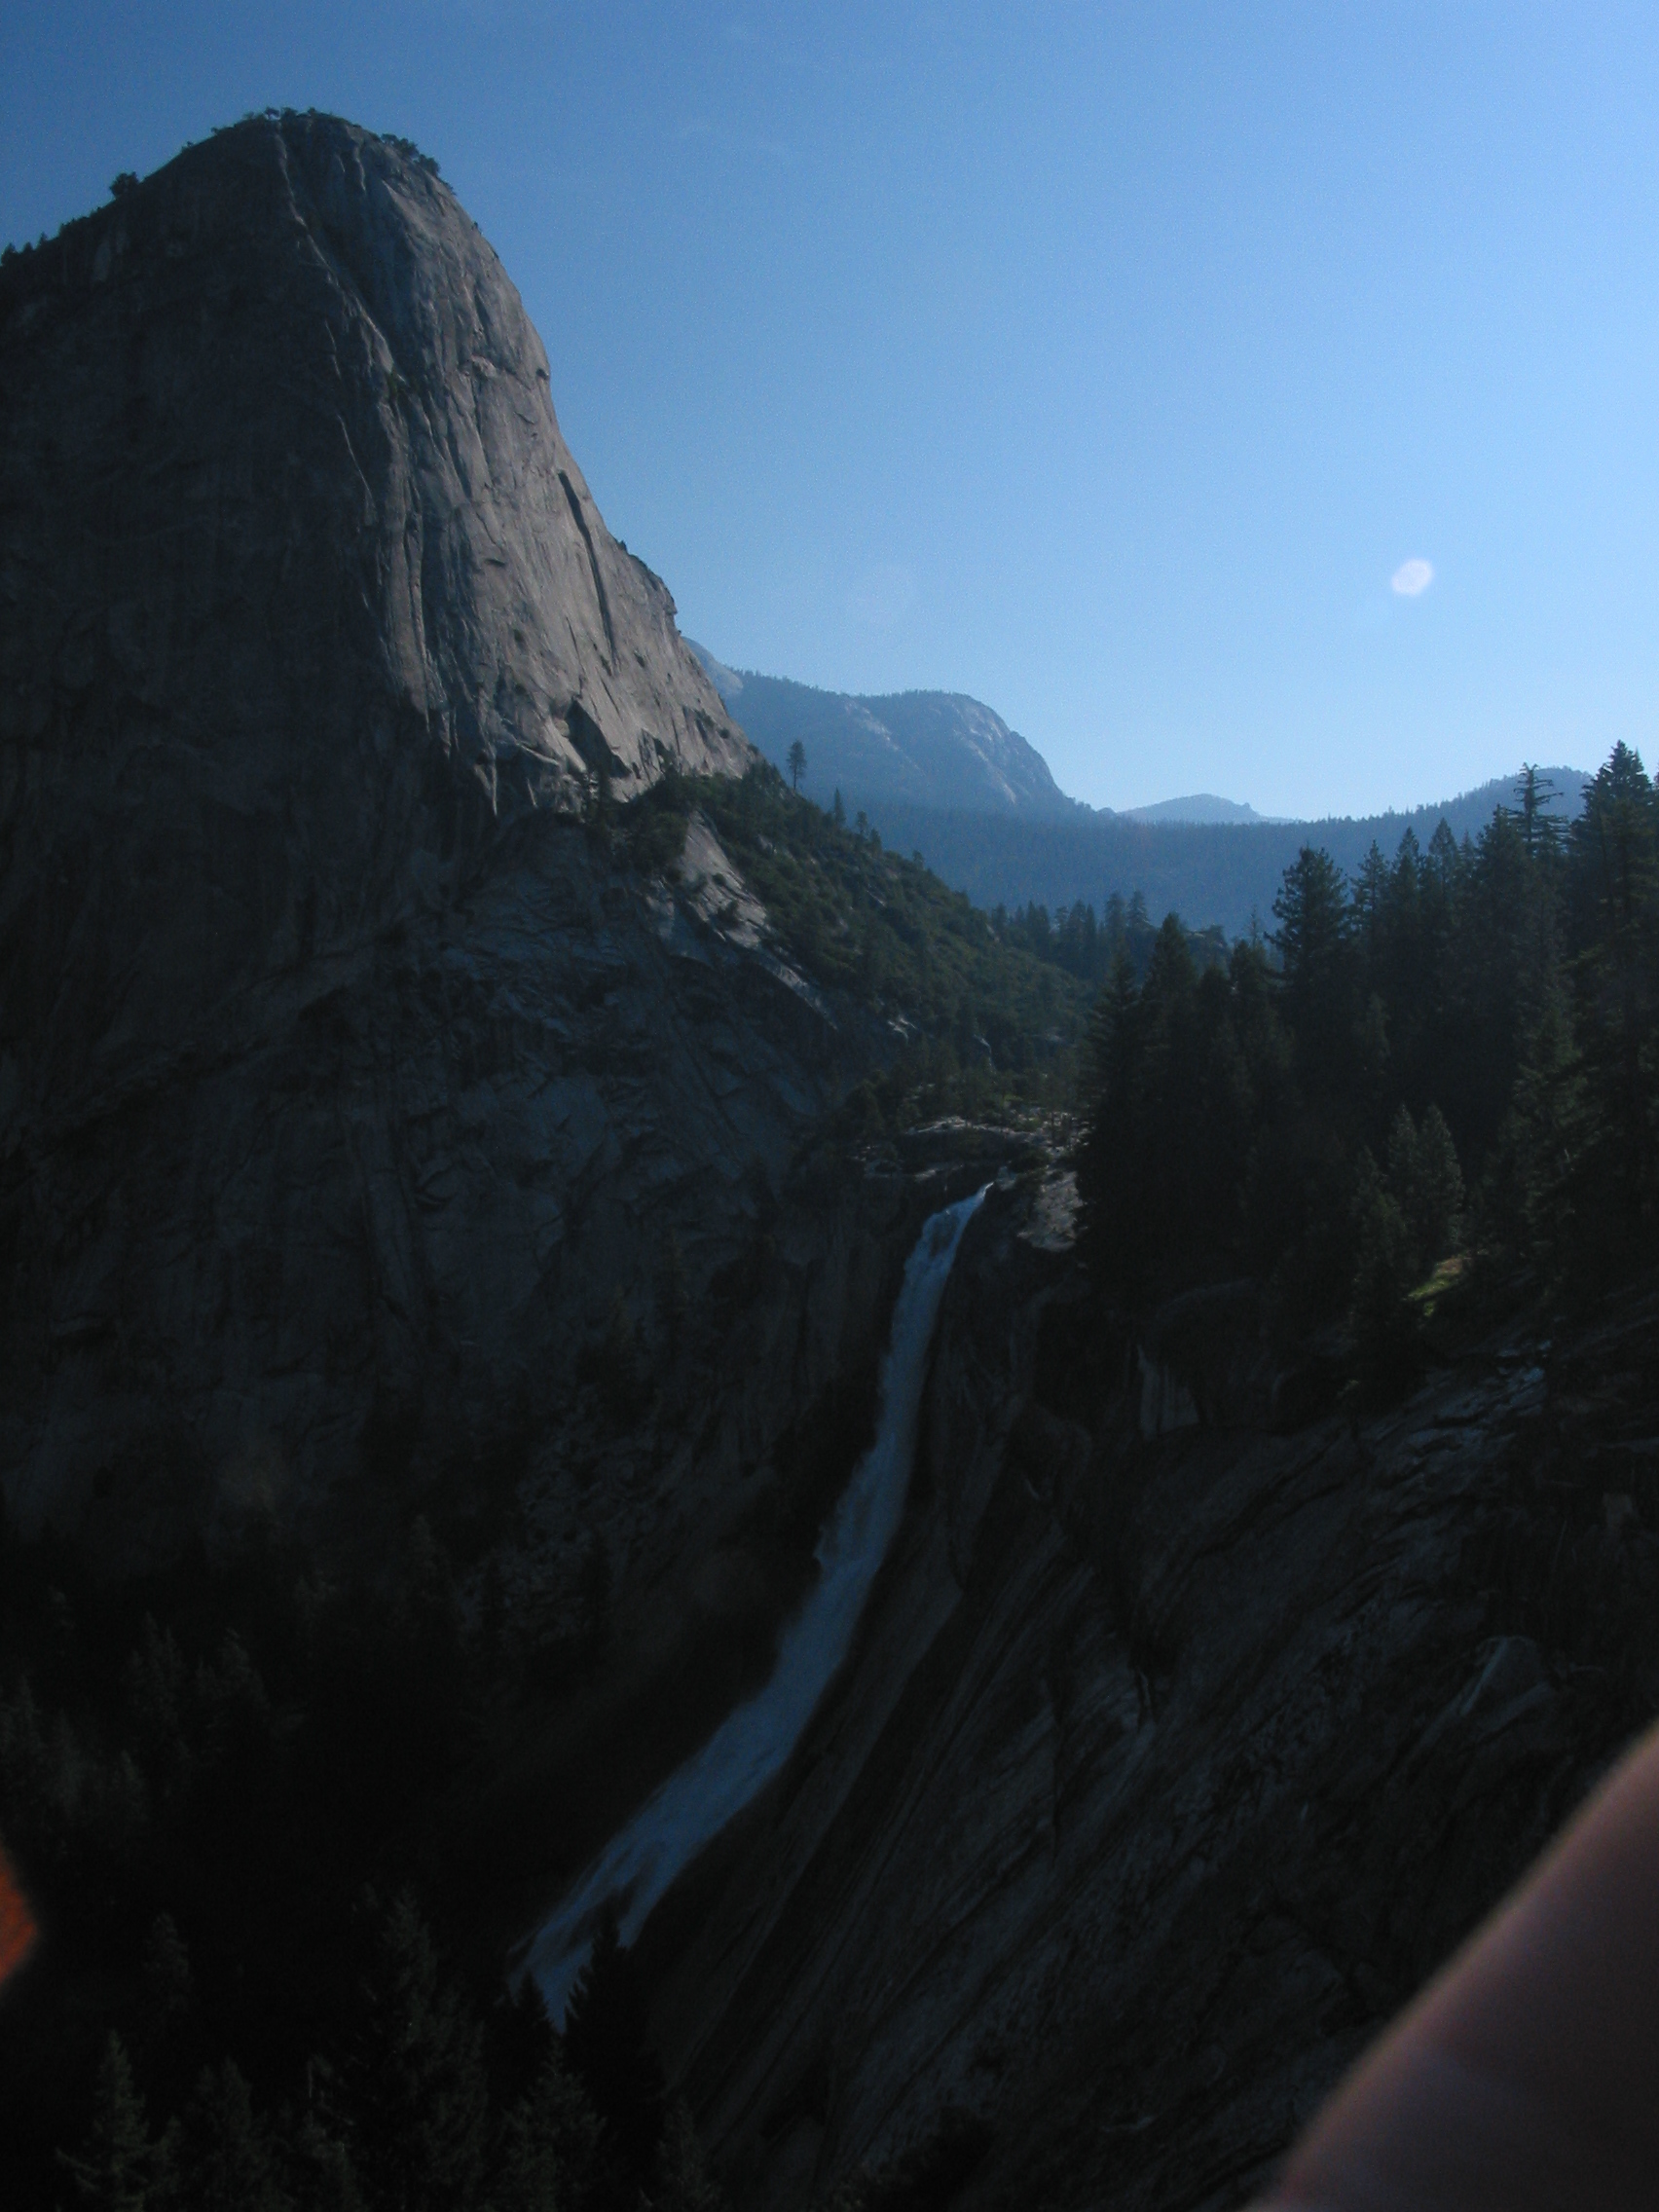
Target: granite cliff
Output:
{"points": [[351, 1088]]}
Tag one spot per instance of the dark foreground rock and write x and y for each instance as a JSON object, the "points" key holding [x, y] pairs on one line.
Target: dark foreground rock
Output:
{"points": [[1173, 1758]]}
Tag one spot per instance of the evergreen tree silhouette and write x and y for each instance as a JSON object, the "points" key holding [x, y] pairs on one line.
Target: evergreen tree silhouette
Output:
{"points": [[1434, 1198], [1312, 940], [606, 2042], [415, 2087], [223, 2152], [119, 2168], [550, 2144], [518, 2036], [683, 2183], [1383, 1321], [319, 2165]]}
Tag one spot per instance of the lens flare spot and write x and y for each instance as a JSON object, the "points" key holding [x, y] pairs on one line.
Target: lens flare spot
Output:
{"points": [[17, 1924]]}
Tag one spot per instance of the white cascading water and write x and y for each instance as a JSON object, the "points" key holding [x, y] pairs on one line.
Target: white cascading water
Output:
{"points": [[693, 1806]]}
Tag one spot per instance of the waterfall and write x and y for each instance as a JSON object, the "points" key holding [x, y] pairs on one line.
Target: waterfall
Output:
{"points": [[697, 1800]]}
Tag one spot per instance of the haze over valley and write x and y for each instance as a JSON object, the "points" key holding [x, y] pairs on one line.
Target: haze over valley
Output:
{"points": [[943, 775]]}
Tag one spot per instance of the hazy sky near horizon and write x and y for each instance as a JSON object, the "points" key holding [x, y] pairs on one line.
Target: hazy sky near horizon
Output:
{"points": [[1258, 400]]}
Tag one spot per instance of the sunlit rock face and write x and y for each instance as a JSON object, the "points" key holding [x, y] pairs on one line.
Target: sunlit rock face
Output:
{"points": [[283, 484], [345, 1081]]}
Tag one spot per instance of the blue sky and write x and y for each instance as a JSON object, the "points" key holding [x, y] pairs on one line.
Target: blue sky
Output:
{"points": [[1105, 362]]}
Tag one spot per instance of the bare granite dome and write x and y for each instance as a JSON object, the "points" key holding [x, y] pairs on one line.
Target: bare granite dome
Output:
{"points": [[293, 348], [344, 1080]]}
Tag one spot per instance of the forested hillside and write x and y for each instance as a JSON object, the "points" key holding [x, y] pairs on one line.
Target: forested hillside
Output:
{"points": [[971, 1015], [1453, 1051]]}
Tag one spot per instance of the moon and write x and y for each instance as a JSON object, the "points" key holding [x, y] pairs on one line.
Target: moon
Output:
{"points": [[1413, 578]]}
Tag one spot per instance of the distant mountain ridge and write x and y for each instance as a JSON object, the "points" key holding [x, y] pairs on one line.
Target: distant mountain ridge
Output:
{"points": [[1214, 871], [926, 749], [1197, 806], [942, 775]]}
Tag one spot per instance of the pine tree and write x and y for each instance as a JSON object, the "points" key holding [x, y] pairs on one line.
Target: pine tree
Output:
{"points": [[683, 2181], [1402, 1159], [154, 1686], [1527, 1201], [1382, 1319], [606, 2041], [224, 2153], [319, 2164], [1105, 1160], [415, 2089], [1437, 1193], [1444, 865], [1614, 880], [235, 1710], [1614, 839], [518, 2036], [119, 2168], [966, 1033], [549, 2155], [167, 2048], [168, 1986], [1313, 941], [1370, 902], [1540, 830], [1426, 1184]]}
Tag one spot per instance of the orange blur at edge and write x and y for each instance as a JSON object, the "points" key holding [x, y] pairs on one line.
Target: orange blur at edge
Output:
{"points": [[16, 1926]]}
